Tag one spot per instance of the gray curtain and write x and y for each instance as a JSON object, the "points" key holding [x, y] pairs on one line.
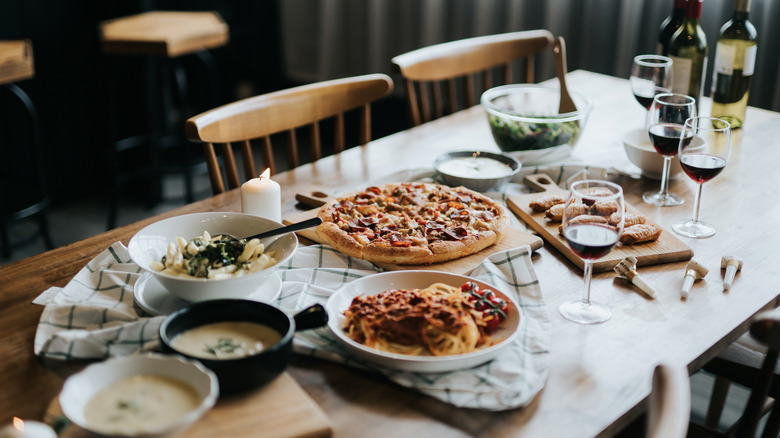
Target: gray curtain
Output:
{"points": [[327, 39]]}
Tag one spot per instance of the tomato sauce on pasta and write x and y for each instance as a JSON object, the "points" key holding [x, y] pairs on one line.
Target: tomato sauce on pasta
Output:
{"points": [[439, 319]]}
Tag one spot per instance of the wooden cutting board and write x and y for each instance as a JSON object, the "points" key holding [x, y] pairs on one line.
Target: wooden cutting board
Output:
{"points": [[465, 265], [282, 409], [668, 248]]}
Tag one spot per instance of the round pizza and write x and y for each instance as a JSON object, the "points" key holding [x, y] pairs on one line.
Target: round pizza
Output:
{"points": [[412, 223]]}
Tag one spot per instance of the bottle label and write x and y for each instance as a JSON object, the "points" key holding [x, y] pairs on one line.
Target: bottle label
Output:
{"points": [[750, 60], [727, 59], [682, 74], [724, 59]]}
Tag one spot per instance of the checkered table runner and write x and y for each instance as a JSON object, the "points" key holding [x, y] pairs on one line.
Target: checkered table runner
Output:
{"points": [[94, 317]]}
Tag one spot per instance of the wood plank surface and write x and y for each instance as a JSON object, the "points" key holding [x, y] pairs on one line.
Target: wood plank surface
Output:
{"points": [[600, 375], [282, 409], [513, 239], [668, 248]]}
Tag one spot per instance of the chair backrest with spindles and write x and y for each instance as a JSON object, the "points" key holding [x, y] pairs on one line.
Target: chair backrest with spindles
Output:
{"points": [[765, 328], [257, 119], [456, 67]]}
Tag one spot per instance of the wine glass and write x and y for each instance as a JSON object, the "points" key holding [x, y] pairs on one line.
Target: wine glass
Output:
{"points": [[703, 162], [650, 75], [665, 121], [592, 223]]}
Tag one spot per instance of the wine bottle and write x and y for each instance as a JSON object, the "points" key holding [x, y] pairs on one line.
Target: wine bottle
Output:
{"points": [[688, 50], [669, 26], [735, 58]]}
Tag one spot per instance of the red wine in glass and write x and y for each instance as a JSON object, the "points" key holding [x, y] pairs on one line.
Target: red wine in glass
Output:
{"points": [[702, 163], [702, 167], [591, 241], [645, 95], [666, 138]]}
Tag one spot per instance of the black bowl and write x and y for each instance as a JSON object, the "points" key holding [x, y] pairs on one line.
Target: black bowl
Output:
{"points": [[245, 373]]}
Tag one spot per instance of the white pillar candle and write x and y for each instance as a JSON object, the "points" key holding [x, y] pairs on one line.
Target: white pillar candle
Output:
{"points": [[27, 429], [262, 197]]}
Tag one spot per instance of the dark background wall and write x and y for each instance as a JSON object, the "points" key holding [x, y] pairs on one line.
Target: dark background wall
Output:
{"points": [[74, 81]]}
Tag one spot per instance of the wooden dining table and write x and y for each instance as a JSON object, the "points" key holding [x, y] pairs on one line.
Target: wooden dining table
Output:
{"points": [[600, 374]]}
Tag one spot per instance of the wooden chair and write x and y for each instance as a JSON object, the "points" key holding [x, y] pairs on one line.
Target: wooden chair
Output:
{"points": [[456, 65], [748, 366], [260, 117], [669, 407]]}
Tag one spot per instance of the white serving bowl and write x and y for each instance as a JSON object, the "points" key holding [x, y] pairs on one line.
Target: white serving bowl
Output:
{"points": [[81, 387], [641, 152], [480, 179], [151, 244]]}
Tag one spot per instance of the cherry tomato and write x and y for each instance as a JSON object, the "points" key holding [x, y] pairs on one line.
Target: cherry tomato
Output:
{"points": [[494, 309]]}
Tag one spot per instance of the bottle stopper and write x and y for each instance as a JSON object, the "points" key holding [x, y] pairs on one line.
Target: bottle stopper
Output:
{"points": [[694, 271], [732, 265], [627, 269]]}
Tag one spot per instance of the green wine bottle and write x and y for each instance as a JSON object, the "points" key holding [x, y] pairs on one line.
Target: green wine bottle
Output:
{"points": [[669, 26], [688, 50], [735, 59]]}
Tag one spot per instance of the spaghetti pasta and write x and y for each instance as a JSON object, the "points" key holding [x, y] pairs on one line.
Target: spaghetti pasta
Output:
{"points": [[439, 319]]}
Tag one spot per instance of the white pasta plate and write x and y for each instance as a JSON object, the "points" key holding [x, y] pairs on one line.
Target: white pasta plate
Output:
{"points": [[377, 283]]}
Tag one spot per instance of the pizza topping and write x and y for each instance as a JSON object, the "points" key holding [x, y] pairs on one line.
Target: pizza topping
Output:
{"points": [[484, 215], [367, 210], [456, 233]]}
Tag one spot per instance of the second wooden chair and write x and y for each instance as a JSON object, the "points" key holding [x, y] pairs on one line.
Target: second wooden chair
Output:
{"points": [[457, 65], [757, 371], [260, 117]]}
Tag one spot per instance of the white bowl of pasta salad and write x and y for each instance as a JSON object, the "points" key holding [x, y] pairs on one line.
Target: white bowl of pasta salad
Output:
{"points": [[197, 257]]}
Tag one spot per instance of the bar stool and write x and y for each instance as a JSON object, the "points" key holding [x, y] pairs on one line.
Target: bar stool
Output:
{"points": [[23, 179], [162, 38]]}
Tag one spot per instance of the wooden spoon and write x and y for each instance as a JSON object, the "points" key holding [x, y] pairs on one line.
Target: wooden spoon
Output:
{"points": [[559, 53]]}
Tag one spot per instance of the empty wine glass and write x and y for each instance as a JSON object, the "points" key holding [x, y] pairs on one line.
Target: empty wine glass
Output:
{"points": [[703, 162], [592, 223], [650, 75], [665, 121]]}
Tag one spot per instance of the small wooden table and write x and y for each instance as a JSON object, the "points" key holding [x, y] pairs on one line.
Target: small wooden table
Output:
{"points": [[600, 375], [16, 61], [164, 33]]}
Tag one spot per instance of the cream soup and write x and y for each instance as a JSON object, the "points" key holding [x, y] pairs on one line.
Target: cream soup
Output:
{"points": [[140, 404], [226, 340], [475, 167]]}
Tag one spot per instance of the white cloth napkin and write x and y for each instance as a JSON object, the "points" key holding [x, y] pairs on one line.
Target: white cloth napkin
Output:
{"points": [[94, 317]]}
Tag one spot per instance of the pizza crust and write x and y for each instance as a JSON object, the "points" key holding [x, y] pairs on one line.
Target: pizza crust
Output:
{"points": [[331, 234], [382, 253]]}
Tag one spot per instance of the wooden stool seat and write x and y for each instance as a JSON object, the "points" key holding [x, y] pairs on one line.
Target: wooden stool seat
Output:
{"points": [[16, 61], [164, 33]]}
